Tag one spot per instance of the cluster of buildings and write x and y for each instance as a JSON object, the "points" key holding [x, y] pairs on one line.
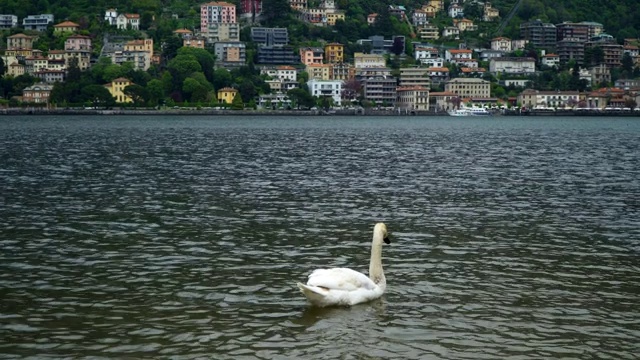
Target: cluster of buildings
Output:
{"points": [[20, 57], [426, 30], [332, 73]]}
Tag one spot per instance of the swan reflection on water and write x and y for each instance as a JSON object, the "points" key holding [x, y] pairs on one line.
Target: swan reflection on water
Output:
{"points": [[317, 317]]}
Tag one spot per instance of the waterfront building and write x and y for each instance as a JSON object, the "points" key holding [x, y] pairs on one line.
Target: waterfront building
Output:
{"points": [[226, 95], [380, 90], [531, 98], [469, 87], [326, 88], [116, 89], [37, 93], [412, 98]]}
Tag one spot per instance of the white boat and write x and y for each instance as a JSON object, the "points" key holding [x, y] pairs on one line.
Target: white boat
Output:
{"points": [[469, 111]]}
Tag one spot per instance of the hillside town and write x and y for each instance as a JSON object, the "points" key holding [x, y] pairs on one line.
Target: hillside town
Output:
{"points": [[431, 70]]}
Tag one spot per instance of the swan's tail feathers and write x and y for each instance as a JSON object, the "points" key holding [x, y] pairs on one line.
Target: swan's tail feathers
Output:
{"points": [[313, 293]]}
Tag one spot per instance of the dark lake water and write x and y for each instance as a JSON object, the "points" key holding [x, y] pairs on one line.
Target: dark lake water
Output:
{"points": [[134, 237]]}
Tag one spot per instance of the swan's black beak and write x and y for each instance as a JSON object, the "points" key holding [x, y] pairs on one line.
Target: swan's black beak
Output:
{"points": [[386, 240]]}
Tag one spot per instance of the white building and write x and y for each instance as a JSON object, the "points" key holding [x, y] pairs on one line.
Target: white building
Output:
{"points": [[111, 16], [37, 22], [285, 72], [454, 55], [128, 21], [423, 54], [326, 88], [8, 21], [507, 65], [362, 60], [419, 17], [551, 60], [456, 11], [450, 31], [278, 100], [553, 99], [501, 44]]}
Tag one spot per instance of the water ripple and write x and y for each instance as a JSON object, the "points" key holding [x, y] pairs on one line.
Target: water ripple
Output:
{"points": [[184, 238]]}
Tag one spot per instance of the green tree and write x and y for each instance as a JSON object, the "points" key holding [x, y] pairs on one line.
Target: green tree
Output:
{"points": [[301, 98], [73, 70], [137, 93], [247, 90], [181, 67], [627, 64], [171, 46], [237, 103], [98, 96], [221, 78], [204, 58], [194, 90], [156, 91], [383, 25], [2, 67], [397, 47], [473, 10], [276, 12]]}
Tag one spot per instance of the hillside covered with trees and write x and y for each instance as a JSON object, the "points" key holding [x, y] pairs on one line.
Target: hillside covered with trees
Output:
{"points": [[621, 18], [187, 75]]}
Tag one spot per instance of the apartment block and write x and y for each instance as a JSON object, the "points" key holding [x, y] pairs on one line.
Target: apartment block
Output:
{"points": [[8, 21], [414, 76], [380, 90], [37, 22], [541, 35], [270, 36], [216, 12]]}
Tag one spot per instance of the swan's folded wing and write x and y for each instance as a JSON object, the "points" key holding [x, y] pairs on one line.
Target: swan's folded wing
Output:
{"points": [[340, 279]]}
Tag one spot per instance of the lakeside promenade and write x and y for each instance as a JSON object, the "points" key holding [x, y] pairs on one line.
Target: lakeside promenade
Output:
{"points": [[332, 112]]}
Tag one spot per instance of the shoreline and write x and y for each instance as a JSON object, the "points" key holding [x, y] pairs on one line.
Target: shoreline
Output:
{"points": [[336, 112]]}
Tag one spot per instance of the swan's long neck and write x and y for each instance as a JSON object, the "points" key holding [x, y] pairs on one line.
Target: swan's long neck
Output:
{"points": [[375, 267]]}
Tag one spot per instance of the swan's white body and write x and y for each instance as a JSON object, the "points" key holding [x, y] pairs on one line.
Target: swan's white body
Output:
{"points": [[345, 287]]}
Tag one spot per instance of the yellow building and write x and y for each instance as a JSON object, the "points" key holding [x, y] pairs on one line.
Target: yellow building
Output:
{"points": [[226, 95], [116, 88], [319, 71], [332, 17], [334, 53], [67, 26], [19, 45]]}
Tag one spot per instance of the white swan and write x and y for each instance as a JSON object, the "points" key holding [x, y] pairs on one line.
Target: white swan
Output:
{"points": [[342, 286]]}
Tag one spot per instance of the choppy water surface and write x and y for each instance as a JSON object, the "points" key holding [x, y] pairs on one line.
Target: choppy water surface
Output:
{"points": [[183, 238]]}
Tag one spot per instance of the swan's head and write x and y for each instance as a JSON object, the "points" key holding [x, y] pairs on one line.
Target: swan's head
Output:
{"points": [[381, 228]]}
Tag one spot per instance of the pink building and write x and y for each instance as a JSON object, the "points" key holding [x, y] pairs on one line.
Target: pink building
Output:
{"points": [[216, 13], [311, 55], [77, 43]]}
